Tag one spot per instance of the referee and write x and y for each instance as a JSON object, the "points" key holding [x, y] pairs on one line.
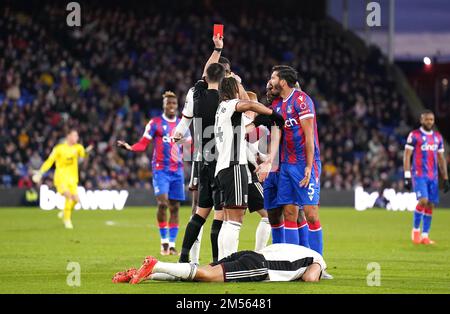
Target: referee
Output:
{"points": [[206, 101]]}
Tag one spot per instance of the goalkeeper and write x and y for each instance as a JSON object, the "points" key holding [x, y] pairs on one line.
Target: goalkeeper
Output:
{"points": [[65, 157]]}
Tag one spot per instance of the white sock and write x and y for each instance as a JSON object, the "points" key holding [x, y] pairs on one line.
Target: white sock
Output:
{"points": [[162, 277], [172, 244], [230, 238], [424, 235], [262, 234], [220, 241], [195, 250], [181, 270]]}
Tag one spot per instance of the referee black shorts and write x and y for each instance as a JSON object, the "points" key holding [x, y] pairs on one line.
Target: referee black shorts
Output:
{"points": [[193, 182], [208, 193], [244, 266], [255, 192], [233, 186]]}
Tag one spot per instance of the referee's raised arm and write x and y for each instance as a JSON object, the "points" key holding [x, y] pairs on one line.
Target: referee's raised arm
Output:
{"points": [[215, 56]]}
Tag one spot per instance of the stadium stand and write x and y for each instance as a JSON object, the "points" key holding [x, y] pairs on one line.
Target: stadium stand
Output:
{"points": [[107, 78]]}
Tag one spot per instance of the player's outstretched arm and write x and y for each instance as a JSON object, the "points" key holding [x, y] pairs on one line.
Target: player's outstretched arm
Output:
{"points": [[246, 105], [138, 147], [48, 163], [89, 148]]}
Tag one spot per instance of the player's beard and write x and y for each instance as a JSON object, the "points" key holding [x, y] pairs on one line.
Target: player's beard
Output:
{"points": [[427, 128], [276, 90]]}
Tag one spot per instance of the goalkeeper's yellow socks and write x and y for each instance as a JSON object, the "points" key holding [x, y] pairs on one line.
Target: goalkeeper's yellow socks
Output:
{"points": [[70, 204]]}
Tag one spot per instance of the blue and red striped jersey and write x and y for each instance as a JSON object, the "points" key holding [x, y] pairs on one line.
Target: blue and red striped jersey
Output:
{"points": [[296, 107], [425, 146], [167, 155]]}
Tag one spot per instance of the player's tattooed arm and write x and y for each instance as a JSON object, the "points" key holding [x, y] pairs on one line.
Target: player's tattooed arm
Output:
{"points": [[308, 129]]}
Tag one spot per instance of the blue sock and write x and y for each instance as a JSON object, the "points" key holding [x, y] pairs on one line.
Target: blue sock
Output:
{"points": [[303, 234], [173, 232], [163, 231], [427, 220], [418, 214], [278, 234], [316, 237], [291, 232]]}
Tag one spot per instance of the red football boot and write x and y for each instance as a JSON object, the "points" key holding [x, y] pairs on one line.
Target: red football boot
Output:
{"points": [[427, 241], [124, 276], [416, 237], [145, 270]]}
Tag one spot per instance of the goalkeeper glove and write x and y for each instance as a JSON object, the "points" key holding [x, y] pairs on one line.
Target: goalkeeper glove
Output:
{"points": [[37, 177], [407, 182], [446, 186]]}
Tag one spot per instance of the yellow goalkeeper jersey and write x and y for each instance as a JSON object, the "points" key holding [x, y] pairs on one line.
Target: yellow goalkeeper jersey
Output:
{"points": [[65, 158]]}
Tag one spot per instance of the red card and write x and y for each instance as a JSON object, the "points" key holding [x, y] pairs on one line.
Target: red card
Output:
{"points": [[218, 29]]}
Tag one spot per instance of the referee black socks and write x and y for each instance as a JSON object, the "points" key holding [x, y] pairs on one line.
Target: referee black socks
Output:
{"points": [[191, 234], [215, 229]]}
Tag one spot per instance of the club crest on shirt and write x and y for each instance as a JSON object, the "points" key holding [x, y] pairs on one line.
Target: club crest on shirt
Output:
{"points": [[165, 127], [302, 100], [289, 109]]}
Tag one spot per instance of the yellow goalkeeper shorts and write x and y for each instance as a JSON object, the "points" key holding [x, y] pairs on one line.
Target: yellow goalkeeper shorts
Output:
{"points": [[62, 188]]}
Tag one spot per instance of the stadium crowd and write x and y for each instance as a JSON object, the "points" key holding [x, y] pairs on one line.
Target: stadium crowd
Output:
{"points": [[107, 78]]}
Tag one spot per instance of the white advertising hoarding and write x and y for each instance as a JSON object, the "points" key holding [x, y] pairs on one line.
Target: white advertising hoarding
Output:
{"points": [[396, 201], [89, 200]]}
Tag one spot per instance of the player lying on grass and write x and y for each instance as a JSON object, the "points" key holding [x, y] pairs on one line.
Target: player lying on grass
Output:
{"points": [[276, 262]]}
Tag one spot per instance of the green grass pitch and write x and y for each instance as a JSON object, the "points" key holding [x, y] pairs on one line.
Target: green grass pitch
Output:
{"points": [[35, 251]]}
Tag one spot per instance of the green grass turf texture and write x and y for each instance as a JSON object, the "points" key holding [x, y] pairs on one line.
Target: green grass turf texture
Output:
{"points": [[35, 250]]}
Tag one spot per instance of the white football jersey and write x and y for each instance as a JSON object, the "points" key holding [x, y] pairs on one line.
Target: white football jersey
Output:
{"points": [[188, 109], [288, 262], [188, 112], [229, 131]]}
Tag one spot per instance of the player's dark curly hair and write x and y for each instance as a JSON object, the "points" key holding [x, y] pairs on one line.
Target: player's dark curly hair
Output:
{"points": [[228, 88], [215, 73], [286, 73]]}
